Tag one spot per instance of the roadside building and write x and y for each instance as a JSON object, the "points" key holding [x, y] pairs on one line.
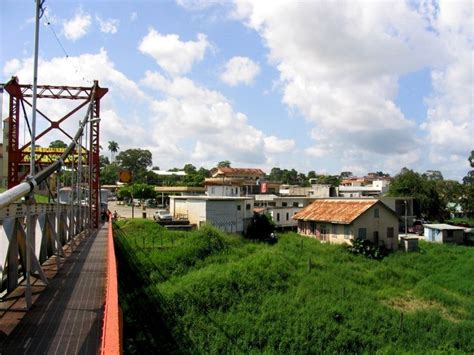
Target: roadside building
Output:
{"points": [[230, 214], [339, 221], [443, 233]]}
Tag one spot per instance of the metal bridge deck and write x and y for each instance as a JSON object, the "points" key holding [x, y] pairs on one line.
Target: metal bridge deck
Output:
{"points": [[67, 317]]}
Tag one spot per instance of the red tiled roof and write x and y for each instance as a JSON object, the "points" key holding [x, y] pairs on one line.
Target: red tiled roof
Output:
{"points": [[240, 171], [338, 211]]}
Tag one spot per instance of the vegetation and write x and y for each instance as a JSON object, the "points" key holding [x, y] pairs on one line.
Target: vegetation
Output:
{"points": [[208, 292]]}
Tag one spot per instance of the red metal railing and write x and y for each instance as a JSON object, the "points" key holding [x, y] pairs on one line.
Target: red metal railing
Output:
{"points": [[111, 340]]}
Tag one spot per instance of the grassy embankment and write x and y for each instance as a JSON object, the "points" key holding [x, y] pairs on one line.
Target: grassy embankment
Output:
{"points": [[205, 291]]}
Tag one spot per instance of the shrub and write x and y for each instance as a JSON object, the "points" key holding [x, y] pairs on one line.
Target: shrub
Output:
{"points": [[261, 227], [368, 249]]}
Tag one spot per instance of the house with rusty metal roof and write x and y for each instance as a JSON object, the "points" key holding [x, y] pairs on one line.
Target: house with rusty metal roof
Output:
{"points": [[226, 181], [339, 221]]}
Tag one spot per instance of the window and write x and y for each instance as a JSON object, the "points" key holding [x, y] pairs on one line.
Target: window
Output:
{"points": [[362, 233], [247, 206], [390, 233], [295, 204], [347, 232], [278, 217], [238, 207], [334, 230], [376, 213], [284, 204], [212, 190], [287, 216]]}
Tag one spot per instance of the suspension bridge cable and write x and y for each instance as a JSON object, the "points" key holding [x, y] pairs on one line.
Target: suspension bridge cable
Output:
{"points": [[66, 54]]}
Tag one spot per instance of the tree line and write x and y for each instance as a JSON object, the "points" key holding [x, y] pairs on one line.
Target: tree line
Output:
{"points": [[431, 192]]}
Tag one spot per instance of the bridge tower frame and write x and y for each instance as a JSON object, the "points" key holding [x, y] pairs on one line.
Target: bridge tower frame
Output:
{"points": [[17, 156]]}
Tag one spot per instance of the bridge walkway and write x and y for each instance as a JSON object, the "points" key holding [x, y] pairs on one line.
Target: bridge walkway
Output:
{"points": [[67, 316]]}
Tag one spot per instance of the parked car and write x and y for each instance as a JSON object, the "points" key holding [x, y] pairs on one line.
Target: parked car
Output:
{"points": [[162, 215]]}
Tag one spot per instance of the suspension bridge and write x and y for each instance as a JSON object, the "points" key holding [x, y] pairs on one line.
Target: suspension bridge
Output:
{"points": [[58, 285]]}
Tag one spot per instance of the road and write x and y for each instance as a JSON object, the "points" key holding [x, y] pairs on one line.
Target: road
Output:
{"points": [[125, 211]]}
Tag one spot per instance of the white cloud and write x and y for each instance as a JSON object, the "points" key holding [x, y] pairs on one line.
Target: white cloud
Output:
{"points": [[240, 70], [133, 16], [172, 54], [340, 63], [276, 145], [205, 119], [108, 25], [196, 4], [78, 26], [117, 123]]}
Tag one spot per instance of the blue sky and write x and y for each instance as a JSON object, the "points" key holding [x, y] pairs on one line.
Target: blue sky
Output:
{"points": [[317, 86]]}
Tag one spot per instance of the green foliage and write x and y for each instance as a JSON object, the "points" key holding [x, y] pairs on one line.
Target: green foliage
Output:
{"points": [[137, 191], [137, 161], [57, 144], [261, 227], [368, 249], [208, 292], [224, 164], [428, 203]]}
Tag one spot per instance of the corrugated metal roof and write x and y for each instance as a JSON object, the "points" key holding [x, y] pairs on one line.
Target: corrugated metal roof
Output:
{"points": [[239, 171], [442, 226], [336, 211]]}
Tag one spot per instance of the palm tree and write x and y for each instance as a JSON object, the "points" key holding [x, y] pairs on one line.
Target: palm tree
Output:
{"points": [[113, 148]]}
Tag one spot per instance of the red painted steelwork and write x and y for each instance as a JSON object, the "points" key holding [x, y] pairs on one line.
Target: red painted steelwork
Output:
{"points": [[111, 332], [17, 156]]}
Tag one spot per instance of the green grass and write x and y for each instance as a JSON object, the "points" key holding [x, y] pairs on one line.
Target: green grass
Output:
{"points": [[208, 292]]}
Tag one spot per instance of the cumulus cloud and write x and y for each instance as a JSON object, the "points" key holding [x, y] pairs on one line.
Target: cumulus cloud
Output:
{"points": [[108, 25], [117, 123], [339, 66], [277, 145], [240, 70], [191, 113], [173, 55], [78, 26]]}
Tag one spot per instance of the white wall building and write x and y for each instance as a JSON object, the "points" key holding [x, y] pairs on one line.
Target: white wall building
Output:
{"points": [[282, 208], [230, 214]]}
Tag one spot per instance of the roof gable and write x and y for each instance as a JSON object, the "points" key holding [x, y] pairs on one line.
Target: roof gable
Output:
{"points": [[336, 211]]}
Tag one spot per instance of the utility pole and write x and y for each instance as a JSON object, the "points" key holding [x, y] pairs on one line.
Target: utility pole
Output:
{"points": [[30, 200]]}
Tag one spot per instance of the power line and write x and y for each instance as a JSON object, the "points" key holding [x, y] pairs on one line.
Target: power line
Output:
{"points": [[58, 40]]}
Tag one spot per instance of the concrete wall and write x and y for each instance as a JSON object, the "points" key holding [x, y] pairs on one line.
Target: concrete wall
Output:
{"points": [[443, 236], [373, 224], [283, 217], [223, 191], [227, 215]]}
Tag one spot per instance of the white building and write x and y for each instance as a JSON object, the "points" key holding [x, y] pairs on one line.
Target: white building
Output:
{"points": [[357, 190], [230, 214], [282, 208]]}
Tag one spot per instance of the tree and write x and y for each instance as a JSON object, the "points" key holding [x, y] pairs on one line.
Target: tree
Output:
{"points": [[113, 148], [223, 164], [57, 144], [103, 161], [467, 198], [428, 202], [345, 174], [136, 161], [189, 169], [261, 227], [109, 174], [433, 175]]}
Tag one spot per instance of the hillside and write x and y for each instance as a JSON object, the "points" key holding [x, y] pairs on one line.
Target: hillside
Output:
{"points": [[204, 291]]}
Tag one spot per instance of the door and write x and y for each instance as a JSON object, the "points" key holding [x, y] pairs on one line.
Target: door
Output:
{"points": [[376, 238]]}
